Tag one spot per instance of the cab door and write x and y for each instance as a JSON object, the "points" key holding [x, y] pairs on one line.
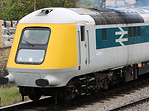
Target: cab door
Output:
{"points": [[83, 41], [87, 42]]}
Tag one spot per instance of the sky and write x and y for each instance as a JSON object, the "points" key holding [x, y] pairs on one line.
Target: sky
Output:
{"points": [[112, 3], [143, 3]]}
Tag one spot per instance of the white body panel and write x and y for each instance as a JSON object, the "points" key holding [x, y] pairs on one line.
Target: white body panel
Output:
{"points": [[57, 16], [138, 53], [146, 17], [27, 77], [111, 58]]}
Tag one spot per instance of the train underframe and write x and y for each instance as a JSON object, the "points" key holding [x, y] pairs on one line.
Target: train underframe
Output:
{"points": [[88, 84]]}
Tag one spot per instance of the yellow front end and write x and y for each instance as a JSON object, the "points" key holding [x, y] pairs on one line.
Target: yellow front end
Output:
{"points": [[61, 50]]}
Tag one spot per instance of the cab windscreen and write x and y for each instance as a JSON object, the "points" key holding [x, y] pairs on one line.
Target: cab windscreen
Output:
{"points": [[33, 45]]}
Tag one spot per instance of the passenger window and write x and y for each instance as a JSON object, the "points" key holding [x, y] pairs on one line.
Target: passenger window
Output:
{"points": [[129, 31], [138, 31], [134, 31], [104, 34], [82, 33]]}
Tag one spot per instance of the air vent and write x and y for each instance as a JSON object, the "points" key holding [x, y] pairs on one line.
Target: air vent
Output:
{"points": [[44, 12]]}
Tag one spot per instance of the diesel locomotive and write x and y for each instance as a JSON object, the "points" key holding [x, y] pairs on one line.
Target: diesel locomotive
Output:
{"points": [[65, 52]]}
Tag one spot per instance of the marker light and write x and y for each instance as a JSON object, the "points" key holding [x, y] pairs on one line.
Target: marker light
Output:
{"points": [[30, 59], [20, 59], [41, 59]]}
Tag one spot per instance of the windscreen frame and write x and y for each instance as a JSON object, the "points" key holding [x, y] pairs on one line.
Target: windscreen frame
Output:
{"points": [[33, 47]]}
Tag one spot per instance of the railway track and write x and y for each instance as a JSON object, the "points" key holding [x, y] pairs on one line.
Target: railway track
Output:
{"points": [[131, 104], [23, 105], [87, 101], [16, 106]]}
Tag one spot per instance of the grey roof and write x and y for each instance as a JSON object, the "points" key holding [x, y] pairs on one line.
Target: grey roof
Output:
{"points": [[110, 16]]}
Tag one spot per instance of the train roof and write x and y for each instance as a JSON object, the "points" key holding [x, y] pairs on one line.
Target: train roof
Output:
{"points": [[97, 16], [112, 16], [55, 15]]}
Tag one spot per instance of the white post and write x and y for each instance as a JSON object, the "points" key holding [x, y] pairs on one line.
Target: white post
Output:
{"points": [[0, 33], [35, 5]]}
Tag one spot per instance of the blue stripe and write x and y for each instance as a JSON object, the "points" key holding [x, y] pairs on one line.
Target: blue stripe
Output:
{"points": [[111, 37]]}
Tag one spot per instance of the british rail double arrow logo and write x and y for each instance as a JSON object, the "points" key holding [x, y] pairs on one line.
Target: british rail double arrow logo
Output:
{"points": [[121, 39]]}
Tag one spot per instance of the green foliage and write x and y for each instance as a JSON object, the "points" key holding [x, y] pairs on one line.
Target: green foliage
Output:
{"points": [[16, 9], [63, 3], [10, 96], [86, 3], [3, 5]]}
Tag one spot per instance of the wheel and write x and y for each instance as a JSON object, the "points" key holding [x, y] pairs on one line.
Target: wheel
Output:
{"points": [[35, 98], [66, 97], [63, 97]]}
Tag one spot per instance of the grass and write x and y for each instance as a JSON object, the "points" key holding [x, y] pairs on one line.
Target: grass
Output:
{"points": [[10, 96]]}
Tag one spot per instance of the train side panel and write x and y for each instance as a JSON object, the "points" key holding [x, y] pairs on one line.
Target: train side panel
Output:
{"points": [[121, 46]]}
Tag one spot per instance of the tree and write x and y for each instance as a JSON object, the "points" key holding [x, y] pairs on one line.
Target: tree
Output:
{"points": [[19, 8], [56, 3], [35, 5], [3, 5], [16, 9], [91, 3]]}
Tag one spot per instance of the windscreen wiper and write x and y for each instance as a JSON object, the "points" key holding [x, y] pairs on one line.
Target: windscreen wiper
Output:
{"points": [[28, 43]]}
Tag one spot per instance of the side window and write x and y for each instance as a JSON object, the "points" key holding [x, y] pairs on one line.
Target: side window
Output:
{"points": [[138, 31], [82, 33], [130, 31], [104, 34], [134, 31]]}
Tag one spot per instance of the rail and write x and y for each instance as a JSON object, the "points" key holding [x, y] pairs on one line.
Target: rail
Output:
{"points": [[22, 105], [14, 106], [130, 104]]}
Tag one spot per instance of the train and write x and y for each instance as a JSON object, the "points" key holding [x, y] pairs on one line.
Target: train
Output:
{"points": [[67, 52]]}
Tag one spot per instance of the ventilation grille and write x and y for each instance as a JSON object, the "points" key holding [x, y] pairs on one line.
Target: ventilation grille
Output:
{"points": [[44, 12]]}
